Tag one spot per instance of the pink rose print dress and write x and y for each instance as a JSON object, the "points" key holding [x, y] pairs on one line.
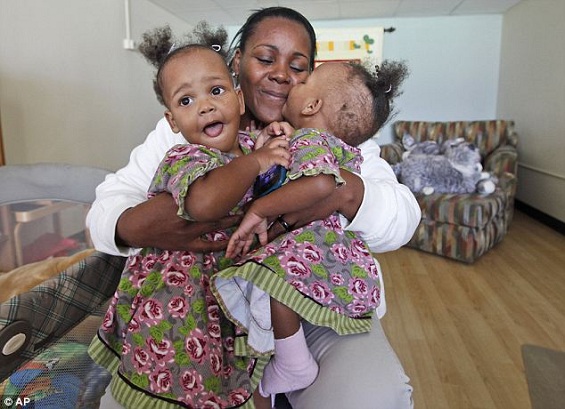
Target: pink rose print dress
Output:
{"points": [[325, 274], [164, 337]]}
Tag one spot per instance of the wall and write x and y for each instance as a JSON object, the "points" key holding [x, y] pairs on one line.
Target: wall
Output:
{"points": [[454, 64], [69, 92], [532, 91]]}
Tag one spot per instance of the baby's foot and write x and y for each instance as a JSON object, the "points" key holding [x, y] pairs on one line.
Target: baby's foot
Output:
{"points": [[279, 378]]}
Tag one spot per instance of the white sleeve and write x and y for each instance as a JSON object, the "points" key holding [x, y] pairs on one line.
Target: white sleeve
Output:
{"points": [[389, 213], [127, 188]]}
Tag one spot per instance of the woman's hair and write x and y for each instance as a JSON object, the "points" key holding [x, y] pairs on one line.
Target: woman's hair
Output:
{"points": [[158, 46], [357, 119], [248, 28]]}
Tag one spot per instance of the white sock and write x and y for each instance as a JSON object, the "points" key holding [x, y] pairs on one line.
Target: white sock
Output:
{"points": [[291, 368]]}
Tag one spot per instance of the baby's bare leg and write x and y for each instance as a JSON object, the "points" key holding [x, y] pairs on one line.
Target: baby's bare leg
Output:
{"points": [[260, 401], [285, 321]]}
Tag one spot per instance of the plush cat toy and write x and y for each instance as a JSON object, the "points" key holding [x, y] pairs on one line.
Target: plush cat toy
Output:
{"points": [[453, 167], [425, 147]]}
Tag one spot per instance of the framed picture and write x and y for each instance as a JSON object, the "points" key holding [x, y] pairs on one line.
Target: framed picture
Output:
{"points": [[359, 44]]}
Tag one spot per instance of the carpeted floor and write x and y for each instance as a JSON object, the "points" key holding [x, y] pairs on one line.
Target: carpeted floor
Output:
{"points": [[545, 373]]}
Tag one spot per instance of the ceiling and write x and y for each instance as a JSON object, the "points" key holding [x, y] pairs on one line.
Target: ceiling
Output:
{"points": [[234, 12]]}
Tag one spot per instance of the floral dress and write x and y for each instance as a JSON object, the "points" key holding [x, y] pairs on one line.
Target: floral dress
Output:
{"points": [[325, 274], [164, 338]]}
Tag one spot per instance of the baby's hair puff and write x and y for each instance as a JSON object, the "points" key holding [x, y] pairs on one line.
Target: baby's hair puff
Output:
{"points": [[386, 84], [159, 46]]}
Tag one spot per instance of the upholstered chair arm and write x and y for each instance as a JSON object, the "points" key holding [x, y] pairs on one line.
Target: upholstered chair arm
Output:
{"points": [[508, 182], [503, 159], [392, 152]]}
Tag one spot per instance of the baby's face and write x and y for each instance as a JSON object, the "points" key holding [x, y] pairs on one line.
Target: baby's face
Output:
{"points": [[316, 86], [203, 103]]}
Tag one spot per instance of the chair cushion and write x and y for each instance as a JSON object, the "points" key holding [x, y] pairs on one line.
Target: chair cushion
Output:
{"points": [[472, 210], [460, 243]]}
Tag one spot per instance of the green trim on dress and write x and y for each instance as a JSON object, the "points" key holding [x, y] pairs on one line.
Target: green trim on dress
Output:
{"points": [[275, 285]]}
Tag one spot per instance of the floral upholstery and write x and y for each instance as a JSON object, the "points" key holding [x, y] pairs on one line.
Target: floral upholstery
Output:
{"points": [[464, 226]]}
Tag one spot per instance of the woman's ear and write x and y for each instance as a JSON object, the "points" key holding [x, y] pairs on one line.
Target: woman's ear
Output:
{"points": [[239, 94], [312, 106], [171, 121], [236, 61]]}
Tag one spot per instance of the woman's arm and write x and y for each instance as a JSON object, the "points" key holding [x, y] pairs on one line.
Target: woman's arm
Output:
{"points": [[383, 211], [126, 189], [121, 219], [296, 195], [388, 213], [155, 223]]}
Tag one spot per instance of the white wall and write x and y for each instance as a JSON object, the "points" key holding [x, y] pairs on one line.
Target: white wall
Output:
{"points": [[454, 64], [532, 90], [69, 92]]}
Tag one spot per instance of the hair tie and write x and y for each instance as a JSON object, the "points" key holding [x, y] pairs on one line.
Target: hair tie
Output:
{"points": [[389, 89], [216, 47]]}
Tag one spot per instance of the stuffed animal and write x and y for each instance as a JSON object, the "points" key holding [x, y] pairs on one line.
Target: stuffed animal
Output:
{"points": [[453, 167], [424, 147]]}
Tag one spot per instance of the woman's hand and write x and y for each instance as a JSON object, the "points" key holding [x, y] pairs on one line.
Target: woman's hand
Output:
{"points": [[154, 223], [345, 199]]}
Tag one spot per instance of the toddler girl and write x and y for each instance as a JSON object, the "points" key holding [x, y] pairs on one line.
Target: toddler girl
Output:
{"points": [[319, 272], [164, 337]]}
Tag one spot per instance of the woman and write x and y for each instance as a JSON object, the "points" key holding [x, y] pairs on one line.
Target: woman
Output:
{"points": [[276, 50]]}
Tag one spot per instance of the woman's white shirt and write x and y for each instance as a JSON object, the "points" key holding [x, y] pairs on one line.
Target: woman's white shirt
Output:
{"points": [[386, 219]]}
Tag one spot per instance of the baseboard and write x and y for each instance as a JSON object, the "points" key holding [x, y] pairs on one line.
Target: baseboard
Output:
{"points": [[540, 216]]}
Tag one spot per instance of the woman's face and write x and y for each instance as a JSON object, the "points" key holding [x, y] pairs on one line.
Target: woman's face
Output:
{"points": [[276, 58]]}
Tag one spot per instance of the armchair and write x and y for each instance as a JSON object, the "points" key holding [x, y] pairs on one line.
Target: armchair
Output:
{"points": [[464, 226]]}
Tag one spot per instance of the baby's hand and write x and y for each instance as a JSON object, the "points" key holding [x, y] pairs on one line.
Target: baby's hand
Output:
{"points": [[252, 127], [272, 130], [273, 152], [242, 239], [279, 129]]}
